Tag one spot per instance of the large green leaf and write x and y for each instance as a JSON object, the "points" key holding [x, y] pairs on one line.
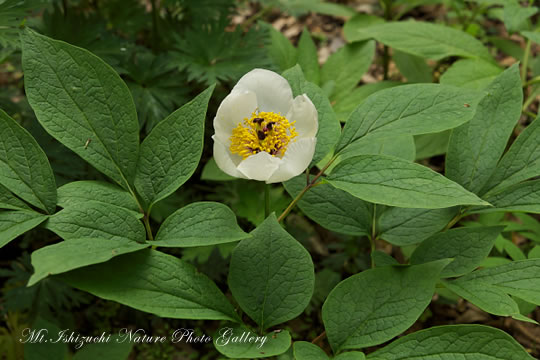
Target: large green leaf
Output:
{"points": [[199, 224], [240, 343], [83, 103], [467, 246], [80, 192], [151, 281], [523, 197], [378, 304], [77, 253], [397, 182], [329, 127], [15, 223], [346, 67], [10, 201], [431, 41], [452, 342], [24, 167], [403, 227], [332, 208], [171, 153], [475, 147], [520, 163], [409, 109], [518, 278], [271, 275], [96, 220], [470, 74]]}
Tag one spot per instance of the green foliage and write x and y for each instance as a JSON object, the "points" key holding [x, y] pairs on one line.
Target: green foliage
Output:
{"points": [[275, 343]]}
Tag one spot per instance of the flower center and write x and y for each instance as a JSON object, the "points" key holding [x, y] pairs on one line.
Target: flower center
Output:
{"points": [[264, 131]]}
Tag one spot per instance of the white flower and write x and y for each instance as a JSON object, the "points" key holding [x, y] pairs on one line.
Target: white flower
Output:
{"points": [[261, 132]]}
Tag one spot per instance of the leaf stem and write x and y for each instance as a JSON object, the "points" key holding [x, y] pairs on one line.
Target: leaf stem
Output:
{"points": [[319, 337], [266, 200], [373, 236], [146, 221], [305, 189]]}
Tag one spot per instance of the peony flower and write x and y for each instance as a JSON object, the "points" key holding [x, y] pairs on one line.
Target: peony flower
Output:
{"points": [[261, 132]]}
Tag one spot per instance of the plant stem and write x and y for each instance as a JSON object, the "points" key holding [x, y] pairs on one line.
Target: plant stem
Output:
{"points": [[525, 62], [266, 200], [319, 337], [373, 236], [146, 221], [305, 189], [454, 221]]}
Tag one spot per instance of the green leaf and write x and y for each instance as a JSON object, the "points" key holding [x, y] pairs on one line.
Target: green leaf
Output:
{"points": [[349, 102], [10, 201], [96, 220], [199, 224], [524, 197], [381, 258], [467, 246], [15, 223], [402, 227], [304, 350], [475, 147], [429, 145], [329, 128], [358, 22], [426, 40], [154, 282], [533, 36], [409, 109], [212, 172], [24, 167], [333, 209], [516, 17], [234, 342], [77, 253], [520, 163], [412, 67], [396, 182], [80, 192], [351, 355], [171, 153], [378, 304], [470, 74], [271, 275], [346, 67], [450, 342], [82, 102], [518, 278], [307, 57], [36, 350], [115, 349], [281, 51]]}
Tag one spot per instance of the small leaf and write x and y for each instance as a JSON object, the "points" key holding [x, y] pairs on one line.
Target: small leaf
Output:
{"points": [[24, 167], [307, 57], [77, 253], [464, 342], [413, 68], [82, 102], [396, 182], [467, 246], [15, 223], [151, 281], [304, 350], [96, 220], [470, 74], [378, 304], [171, 153], [228, 341], [428, 145], [409, 109], [115, 349], [523, 197], [212, 172], [271, 275], [334, 209], [281, 51], [199, 224], [475, 147]]}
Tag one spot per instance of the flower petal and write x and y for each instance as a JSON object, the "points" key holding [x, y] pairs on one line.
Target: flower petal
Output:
{"points": [[305, 114], [225, 160], [232, 111], [272, 90], [259, 166], [297, 158]]}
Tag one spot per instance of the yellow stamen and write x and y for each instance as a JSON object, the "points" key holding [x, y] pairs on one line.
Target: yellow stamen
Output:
{"points": [[264, 131]]}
